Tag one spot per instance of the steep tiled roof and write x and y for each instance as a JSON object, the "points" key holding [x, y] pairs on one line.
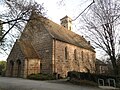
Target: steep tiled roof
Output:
{"points": [[58, 32], [61, 33], [27, 49]]}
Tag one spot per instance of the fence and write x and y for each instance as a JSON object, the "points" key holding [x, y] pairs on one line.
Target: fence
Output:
{"points": [[102, 80]]}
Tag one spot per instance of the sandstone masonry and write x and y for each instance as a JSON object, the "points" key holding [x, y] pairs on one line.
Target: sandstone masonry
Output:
{"points": [[46, 47]]}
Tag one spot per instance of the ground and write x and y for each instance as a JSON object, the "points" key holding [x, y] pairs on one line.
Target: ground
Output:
{"points": [[23, 84]]}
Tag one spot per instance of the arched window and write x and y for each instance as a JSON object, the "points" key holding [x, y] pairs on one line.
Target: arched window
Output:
{"points": [[75, 54], [66, 54], [18, 68], [18, 62], [11, 63], [88, 56], [11, 67], [82, 55]]}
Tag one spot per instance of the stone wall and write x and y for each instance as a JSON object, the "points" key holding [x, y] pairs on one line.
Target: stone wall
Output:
{"points": [[77, 59], [15, 55], [26, 67], [32, 66], [42, 43], [54, 56]]}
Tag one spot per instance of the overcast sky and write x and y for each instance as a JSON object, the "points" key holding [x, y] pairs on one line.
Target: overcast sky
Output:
{"points": [[71, 8]]}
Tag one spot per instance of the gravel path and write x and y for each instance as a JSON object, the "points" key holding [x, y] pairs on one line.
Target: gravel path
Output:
{"points": [[7, 83]]}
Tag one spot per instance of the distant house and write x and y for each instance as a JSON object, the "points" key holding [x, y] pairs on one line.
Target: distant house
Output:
{"points": [[46, 47], [118, 63], [101, 67]]}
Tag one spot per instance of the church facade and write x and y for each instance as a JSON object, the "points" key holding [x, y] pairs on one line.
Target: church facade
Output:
{"points": [[46, 47]]}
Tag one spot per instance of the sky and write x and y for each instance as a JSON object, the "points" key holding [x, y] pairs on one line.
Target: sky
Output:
{"points": [[55, 11]]}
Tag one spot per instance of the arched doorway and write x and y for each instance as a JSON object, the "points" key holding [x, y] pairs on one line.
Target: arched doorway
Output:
{"points": [[18, 68], [11, 68]]}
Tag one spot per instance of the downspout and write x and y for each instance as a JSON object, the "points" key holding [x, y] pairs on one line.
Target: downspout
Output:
{"points": [[54, 45]]}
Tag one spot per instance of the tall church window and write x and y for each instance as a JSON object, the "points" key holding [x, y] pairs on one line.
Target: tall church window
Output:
{"points": [[11, 67], [40, 66], [82, 55], [75, 54], [66, 54], [88, 56], [18, 68]]}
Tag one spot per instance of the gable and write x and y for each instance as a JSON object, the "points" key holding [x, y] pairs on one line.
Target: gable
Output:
{"points": [[27, 49], [22, 49], [16, 52]]}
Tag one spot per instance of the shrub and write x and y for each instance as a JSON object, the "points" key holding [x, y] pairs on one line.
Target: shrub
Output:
{"points": [[3, 73], [2, 67], [41, 76], [73, 74], [76, 77]]}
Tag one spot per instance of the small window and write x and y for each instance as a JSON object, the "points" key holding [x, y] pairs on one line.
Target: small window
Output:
{"points": [[69, 28], [40, 66], [70, 21]]}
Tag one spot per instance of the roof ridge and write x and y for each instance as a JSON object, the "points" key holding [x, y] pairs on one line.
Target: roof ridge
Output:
{"points": [[61, 33], [65, 29]]}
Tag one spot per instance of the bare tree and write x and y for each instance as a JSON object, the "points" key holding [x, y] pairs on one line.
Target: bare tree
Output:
{"points": [[62, 2], [101, 24], [16, 16], [1, 30]]}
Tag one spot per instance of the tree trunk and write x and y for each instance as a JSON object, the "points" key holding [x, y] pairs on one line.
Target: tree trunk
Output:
{"points": [[113, 60]]}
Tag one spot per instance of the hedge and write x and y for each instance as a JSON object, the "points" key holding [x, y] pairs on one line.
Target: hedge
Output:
{"points": [[92, 77], [41, 76]]}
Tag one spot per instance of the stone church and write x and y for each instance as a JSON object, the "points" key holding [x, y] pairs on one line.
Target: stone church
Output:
{"points": [[46, 47]]}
